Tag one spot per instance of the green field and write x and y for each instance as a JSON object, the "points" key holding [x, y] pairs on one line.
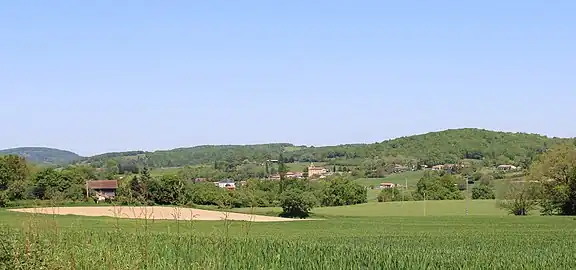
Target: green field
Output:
{"points": [[398, 178], [374, 239], [164, 171], [393, 209]]}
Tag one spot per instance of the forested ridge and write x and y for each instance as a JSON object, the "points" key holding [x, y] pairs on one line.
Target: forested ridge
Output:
{"points": [[43, 155], [448, 146]]}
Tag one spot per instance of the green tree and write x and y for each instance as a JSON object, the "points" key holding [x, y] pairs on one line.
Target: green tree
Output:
{"points": [[111, 169], [49, 183], [483, 192], [389, 195], [282, 170], [4, 200], [519, 198], [297, 203], [556, 173], [13, 171], [342, 191], [439, 187], [170, 189]]}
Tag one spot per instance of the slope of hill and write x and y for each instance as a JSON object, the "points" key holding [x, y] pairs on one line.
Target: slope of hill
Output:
{"points": [[43, 155], [446, 146]]}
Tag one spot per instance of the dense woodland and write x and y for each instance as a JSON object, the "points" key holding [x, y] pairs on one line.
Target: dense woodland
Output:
{"points": [[433, 148]]}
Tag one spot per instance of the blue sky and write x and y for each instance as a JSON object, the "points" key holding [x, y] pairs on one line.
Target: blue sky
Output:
{"points": [[102, 76]]}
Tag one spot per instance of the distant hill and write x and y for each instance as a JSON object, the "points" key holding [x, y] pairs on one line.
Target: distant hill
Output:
{"points": [[446, 146], [43, 155]]}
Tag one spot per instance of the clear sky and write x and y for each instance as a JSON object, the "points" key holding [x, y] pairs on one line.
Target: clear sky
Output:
{"points": [[99, 76]]}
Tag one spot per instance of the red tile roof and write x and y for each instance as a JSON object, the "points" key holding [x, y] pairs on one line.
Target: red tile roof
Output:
{"points": [[103, 184]]}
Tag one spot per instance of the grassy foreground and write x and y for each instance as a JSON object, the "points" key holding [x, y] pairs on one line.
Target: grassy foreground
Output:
{"points": [[378, 242]]}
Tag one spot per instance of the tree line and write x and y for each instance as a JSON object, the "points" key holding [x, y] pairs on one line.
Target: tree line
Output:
{"points": [[20, 180]]}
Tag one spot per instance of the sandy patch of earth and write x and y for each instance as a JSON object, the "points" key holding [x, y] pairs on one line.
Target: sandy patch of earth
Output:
{"points": [[152, 212]]}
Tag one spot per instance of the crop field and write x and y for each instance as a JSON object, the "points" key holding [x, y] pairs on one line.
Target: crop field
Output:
{"points": [[396, 209], [342, 241]]}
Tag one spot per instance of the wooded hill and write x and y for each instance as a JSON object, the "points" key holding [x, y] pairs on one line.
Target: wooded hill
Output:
{"points": [[43, 155], [448, 146]]}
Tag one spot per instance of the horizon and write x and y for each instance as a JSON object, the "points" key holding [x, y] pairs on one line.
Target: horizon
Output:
{"points": [[298, 145], [111, 76]]}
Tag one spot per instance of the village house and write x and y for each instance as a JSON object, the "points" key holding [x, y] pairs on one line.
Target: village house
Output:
{"points": [[444, 167], [507, 167], [293, 175], [226, 183], [438, 167], [399, 168], [103, 189], [287, 175], [316, 171], [387, 185]]}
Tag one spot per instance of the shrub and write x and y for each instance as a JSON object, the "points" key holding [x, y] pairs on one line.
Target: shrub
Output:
{"points": [[297, 203], [389, 195], [519, 198], [4, 199], [482, 192]]}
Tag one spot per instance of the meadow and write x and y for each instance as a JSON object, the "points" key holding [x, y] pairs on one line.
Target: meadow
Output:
{"points": [[368, 236], [411, 178]]}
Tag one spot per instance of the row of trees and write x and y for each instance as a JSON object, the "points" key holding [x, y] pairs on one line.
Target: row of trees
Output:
{"points": [[21, 181], [296, 196]]}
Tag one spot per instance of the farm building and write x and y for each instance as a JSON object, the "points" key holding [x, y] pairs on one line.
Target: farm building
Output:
{"points": [[104, 189]]}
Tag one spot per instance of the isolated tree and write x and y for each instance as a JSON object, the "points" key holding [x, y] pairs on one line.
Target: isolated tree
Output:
{"points": [[556, 172], [297, 203], [282, 170], [519, 198]]}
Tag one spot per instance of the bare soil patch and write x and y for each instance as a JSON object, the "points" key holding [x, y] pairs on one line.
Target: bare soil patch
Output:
{"points": [[151, 212]]}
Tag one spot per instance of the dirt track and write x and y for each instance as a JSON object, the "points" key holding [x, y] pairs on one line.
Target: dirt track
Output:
{"points": [[152, 212]]}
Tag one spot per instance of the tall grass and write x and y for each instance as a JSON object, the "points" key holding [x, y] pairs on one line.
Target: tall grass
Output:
{"points": [[83, 249], [474, 242]]}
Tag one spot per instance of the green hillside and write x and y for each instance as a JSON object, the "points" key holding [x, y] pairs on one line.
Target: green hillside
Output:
{"points": [[448, 146], [43, 155]]}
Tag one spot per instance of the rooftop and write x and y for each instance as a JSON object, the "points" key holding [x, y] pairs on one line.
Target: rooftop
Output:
{"points": [[103, 184]]}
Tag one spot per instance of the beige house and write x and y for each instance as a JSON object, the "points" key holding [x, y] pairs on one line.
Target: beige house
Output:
{"points": [[316, 171]]}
